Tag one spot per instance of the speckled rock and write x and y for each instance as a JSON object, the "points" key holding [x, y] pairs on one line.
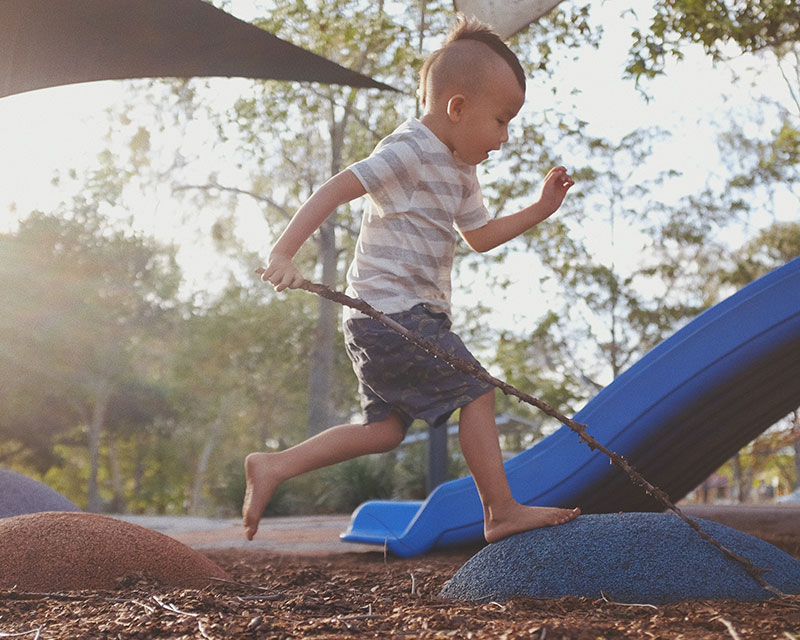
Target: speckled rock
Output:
{"points": [[20, 494], [63, 551], [628, 557]]}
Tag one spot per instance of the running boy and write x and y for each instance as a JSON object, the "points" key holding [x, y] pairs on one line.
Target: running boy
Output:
{"points": [[421, 187]]}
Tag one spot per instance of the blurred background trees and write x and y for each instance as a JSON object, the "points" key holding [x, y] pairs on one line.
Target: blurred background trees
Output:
{"points": [[137, 379]]}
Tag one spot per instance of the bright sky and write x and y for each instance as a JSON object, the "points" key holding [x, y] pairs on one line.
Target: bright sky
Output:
{"points": [[61, 128]]}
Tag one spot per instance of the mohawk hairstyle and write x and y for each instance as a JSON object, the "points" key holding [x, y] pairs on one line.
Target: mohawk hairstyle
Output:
{"points": [[471, 29]]}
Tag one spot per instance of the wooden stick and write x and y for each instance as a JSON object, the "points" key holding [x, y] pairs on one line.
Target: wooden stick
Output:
{"points": [[466, 367]]}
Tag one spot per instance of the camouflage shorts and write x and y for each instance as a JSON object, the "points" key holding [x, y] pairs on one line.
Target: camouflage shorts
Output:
{"points": [[396, 375]]}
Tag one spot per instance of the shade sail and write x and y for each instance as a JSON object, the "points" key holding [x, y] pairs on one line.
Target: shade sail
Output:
{"points": [[44, 43]]}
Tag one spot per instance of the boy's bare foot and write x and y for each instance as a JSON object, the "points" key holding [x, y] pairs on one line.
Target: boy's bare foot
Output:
{"points": [[517, 518], [260, 487]]}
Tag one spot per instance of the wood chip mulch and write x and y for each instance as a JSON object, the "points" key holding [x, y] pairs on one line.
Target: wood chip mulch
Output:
{"points": [[365, 595]]}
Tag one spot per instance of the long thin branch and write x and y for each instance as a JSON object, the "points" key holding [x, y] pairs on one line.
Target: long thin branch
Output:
{"points": [[283, 211], [580, 429], [792, 93]]}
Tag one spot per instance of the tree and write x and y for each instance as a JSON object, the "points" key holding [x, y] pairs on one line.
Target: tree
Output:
{"points": [[726, 30], [771, 248], [624, 269], [328, 128], [80, 296], [237, 372], [749, 27]]}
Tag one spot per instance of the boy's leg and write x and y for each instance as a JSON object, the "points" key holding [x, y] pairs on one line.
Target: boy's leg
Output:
{"points": [[503, 516], [265, 471]]}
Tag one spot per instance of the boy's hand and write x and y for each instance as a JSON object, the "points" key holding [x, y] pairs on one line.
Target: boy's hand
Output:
{"points": [[500, 230], [281, 273], [555, 187]]}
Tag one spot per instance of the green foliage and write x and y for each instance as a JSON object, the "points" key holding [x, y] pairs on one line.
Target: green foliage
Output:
{"points": [[94, 317], [331, 126], [749, 26], [541, 361], [336, 489], [156, 468], [312, 132], [231, 487], [345, 486], [78, 297], [621, 270], [223, 379], [768, 462], [411, 470], [764, 164], [771, 248]]}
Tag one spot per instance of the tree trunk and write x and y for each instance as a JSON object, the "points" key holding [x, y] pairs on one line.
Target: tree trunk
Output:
{"points": [[738, 480], [196, 499], [321, 414], [117, 482], [102, 393], [797, 464]]}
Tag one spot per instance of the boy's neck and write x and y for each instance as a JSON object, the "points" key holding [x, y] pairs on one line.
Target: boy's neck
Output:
{"points": [[439, 127]]}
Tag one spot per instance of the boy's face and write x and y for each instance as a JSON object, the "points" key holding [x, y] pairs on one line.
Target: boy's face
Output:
{"points": [[481, 123]]}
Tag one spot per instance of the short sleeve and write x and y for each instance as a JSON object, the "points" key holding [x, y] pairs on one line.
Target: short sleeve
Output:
{"points": [[473, 213], [386, 177]]}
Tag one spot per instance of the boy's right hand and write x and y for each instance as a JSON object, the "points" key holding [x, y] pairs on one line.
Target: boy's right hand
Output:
{"points": [[281, 272]]}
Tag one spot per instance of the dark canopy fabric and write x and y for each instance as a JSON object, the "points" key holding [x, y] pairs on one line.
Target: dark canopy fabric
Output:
{"points": [[44, 43]]}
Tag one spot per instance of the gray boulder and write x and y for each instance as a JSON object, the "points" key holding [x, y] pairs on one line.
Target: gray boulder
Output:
{"points": [[20, 494], [647, 558]]}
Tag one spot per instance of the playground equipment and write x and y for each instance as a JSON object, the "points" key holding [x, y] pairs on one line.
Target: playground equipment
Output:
{"points": [[676, 415]]}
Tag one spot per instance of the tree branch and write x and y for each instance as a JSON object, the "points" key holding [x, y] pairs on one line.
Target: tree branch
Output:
{"points": [[283, 211]]}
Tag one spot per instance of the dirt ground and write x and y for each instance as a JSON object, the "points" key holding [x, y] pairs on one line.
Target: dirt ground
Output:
{"points": [[365, 594]]}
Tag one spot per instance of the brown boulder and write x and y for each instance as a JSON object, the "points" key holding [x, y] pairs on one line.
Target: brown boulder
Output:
{"points": [[57, 551]]}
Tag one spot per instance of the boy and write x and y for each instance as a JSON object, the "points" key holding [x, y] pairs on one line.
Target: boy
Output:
{"points": [[422, 186]]}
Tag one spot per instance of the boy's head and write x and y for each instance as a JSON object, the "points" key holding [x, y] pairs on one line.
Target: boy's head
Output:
{"points": [[471, 88], [463, 61]]}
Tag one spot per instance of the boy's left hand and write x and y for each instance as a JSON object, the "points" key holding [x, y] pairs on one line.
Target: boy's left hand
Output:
{"points": [[555, 187]]}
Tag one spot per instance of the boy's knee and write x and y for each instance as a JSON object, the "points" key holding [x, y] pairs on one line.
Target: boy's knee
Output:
{"points": [[387, 434]]}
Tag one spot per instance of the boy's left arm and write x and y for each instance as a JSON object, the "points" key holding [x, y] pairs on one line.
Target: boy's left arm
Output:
{"points": [[500, 230]]}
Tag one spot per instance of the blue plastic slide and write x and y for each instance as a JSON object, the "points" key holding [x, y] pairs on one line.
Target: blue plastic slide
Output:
{"points": [[676, 415]]}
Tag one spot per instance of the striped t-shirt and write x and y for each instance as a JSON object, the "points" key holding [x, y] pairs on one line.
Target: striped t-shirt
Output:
{"points": [[418, 195]]}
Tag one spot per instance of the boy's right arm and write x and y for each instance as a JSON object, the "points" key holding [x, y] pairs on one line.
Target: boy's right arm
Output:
{"points": [[281, 271]]}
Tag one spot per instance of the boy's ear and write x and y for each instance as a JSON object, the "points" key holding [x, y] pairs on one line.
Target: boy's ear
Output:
{"points": [[455, 107]]}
